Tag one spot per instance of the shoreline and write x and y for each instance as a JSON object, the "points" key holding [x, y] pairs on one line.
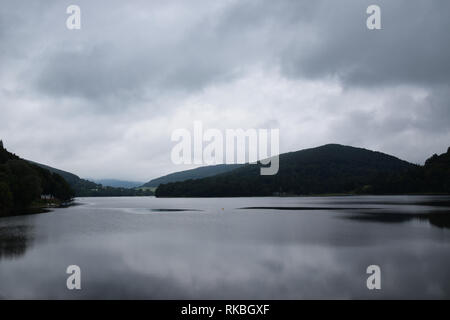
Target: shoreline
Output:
{"points": [[39, 207]]}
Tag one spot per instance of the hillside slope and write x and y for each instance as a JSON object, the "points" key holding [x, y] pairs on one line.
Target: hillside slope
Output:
{"points": [[23, 183], [327, 169], [197, 173], [432, 178], [86, 188]]}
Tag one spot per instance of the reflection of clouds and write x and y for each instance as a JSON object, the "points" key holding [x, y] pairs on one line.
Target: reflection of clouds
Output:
{"points": [[240, 254], [14, 241], [297, 271], [265, 272]]}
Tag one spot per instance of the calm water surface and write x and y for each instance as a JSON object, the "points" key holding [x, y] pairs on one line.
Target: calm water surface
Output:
{"points": [[232, 248]]}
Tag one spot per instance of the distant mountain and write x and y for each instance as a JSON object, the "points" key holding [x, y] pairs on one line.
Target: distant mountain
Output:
{"points": [[86, 188], [118, 183], [327, 169], [197, 173]]}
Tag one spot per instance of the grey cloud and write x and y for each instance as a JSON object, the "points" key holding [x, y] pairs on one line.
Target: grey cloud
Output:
{"points": [[307, 38], [136, 66], [412, 46], [405, 126], [93, 72], [128, 59], [436, 114]]}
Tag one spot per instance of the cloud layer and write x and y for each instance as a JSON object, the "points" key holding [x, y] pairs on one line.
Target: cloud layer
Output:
{"points": [[102, 101]]}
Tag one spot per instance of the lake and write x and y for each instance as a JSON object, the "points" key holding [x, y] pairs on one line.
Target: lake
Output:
{"points": [[230, 248]]}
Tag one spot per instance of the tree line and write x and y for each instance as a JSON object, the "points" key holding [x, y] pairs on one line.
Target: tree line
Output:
{"points": [[330, 169], [23, 183]]}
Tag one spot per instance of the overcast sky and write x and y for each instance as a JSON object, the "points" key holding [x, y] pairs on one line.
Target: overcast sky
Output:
{"points": [[103, 101]]}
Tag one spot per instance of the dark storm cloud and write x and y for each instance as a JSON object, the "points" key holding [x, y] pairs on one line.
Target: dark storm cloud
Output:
{"points": [[308, 39], [412, 46], [129, 60], [437, 112], [138, 69]]}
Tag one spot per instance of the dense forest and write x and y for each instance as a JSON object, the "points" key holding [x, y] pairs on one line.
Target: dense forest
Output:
{"points": [[431, 178], [23, 183], [329, 169], [86, 188]]}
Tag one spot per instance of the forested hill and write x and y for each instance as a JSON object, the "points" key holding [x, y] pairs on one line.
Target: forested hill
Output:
{"points": [[197, 173], [432, 178], [327, 169], [23, 183], [437, 173]]}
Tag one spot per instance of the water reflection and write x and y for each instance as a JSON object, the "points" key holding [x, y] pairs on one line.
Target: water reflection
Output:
{"points": [[432, 201], [435, 210], [277, 248], [397, 210], [14, 241], [172, 210], [440, 219]]}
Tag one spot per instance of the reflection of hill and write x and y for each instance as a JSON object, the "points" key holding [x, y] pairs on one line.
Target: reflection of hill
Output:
{"points": [[440, 219], [14, 241]]}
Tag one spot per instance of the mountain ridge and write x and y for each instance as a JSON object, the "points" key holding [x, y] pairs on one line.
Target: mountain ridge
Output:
{"points": [[330, 168], [196, 173]]}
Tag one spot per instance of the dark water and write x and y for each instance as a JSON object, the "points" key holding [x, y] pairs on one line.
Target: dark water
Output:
{"points": [[275, 248]]}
